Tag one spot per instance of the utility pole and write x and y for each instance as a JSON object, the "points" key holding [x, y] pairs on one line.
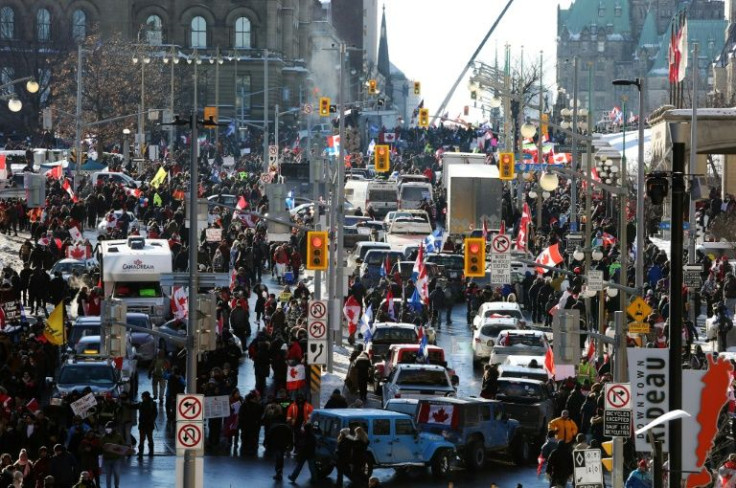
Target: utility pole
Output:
{"points": [[265, 110], [693, 230], [623, 222], [540, 142], [340, 195], [189, 455], [619, 376], [574, 183], [218, 61], [78, 118]]}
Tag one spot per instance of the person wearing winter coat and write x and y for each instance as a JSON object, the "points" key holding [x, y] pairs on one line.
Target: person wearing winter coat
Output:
{"points": [[306, 454], [336, 400], [560, 465], [249, 418], [279, 442], [639, 478]]}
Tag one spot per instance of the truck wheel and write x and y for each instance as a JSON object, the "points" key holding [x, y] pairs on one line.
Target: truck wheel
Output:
{"points": [[475, 455], [323, 468], [441, 464], [520, 451]]}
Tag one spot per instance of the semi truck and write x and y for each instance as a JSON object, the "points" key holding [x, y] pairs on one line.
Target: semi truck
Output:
{"points": [[474, 193], [131, 271]]}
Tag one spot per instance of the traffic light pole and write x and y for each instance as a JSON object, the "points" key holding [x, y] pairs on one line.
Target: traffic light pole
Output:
{"points": [[339, 195]]}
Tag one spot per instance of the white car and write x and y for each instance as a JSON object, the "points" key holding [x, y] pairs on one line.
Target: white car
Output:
{"points": [[498, 309], [485, 335], [523, 366], [418, 381], [518, 342], [110, 219]]}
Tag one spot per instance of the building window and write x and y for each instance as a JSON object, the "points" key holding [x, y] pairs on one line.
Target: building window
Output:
{"points": [[44, 81], [601, 10], [617, 10], [79, 25], [154, 30], [199, 32], [7, 23], [242, 95], [601, 46], [43, 25], [6, 76], [242, 33]]}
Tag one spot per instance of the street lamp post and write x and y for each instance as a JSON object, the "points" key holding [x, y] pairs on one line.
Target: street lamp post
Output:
{"points": [[639, 83], [265, 110]]}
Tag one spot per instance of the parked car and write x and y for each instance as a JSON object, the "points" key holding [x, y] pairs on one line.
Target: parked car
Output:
{"points": [[494, 309], [403, 405], [82, 327], [68, 266], [517, 342], [384, 334], [361, 249], [408, 354], [418, 381], [485, 335], [531, 402], [476, 427], [100, 375], [395, 441], [523, 366], [90, 346]]}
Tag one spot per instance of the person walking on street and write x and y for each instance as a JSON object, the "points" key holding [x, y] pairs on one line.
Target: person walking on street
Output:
{"points": [[306, 454], [560, 466], [564, 428], [147, 413], [363, 368], [360, 456], [111, 460], [157, 373], [250, 418], [344, 454], [279, 442]]}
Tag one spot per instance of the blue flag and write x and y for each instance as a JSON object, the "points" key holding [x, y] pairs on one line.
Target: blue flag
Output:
{"points": [[415, 302]]}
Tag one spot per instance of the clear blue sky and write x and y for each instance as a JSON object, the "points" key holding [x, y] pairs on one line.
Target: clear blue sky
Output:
{"points": [[432, 40]]}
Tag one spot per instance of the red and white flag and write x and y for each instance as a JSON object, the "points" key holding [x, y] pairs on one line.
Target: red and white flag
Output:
{"points": [[549, 257], [351, 310], [522, 237], [390, 304], [296, 377], [421, 280], [549, 363], [33, 406], [180, 302], [68, 188], [485, 230], [75, 234], [389, 137], [242, 203], [56, 172], [76, 251]]}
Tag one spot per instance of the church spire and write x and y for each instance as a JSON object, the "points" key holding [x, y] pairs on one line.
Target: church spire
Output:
{"points": [[383, 61]]}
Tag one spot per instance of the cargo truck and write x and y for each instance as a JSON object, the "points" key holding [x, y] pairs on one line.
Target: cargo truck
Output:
{"points": [[474, 193], [457, 158]]}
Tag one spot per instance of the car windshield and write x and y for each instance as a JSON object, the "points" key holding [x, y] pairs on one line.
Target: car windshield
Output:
{"points": [[364, 249], [130, 289], [449, 262], [139, 321], [428, 377], [87, 347], [513, 389], [394, 335], [415, 193], [494, 330], [68, 267], [76, 374], [502, 313], [376, 258], [510, 340], [410, 357], [381, 195]]}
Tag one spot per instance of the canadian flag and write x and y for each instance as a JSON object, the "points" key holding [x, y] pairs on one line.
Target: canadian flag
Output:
{"points": [[549, 363], [75, 234], [180, 302], [242, 203], [522, 236], [389, 137], [441, 414], [351, 310], [68, 188], [421, 281], [135, 192], [76, 251], [296, 377], [549, 257], [56, 172]]}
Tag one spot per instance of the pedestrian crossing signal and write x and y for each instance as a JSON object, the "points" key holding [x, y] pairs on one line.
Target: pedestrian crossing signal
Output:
{"points": [[382, 159], [475, 257], [324, 106], [424, 117], [317, 250]]}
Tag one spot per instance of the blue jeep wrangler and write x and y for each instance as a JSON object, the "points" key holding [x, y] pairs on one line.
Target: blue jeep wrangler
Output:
{"points": [[395, 441], [475, 426]]}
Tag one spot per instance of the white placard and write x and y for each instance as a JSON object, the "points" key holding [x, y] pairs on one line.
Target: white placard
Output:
{"points": [[213, 234], [216, 406], [595, 280], [83, 406]]}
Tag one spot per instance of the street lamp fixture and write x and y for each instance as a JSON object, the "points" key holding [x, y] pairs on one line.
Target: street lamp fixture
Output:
{"points": [[528, 130], [14, 105], [549, 182], [32, 86]]}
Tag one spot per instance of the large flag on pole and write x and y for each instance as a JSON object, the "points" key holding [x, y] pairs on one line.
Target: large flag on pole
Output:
{"points": [[54, 331], [549, 257], [159, 178], [522, 237], [682, 51]]}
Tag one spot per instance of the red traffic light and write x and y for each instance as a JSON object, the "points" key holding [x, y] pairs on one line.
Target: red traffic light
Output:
{"points": [[317, 241], [474, 248]]}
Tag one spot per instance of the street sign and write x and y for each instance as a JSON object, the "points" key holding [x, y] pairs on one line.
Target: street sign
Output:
{"points": [[501, 243], [639, 310], [500, 259], [618, 396], [189, 407], [317, 329], [189, 436], [574, 240], [307, 109], [317, 309], [639, 328], [617, 423], [692, 277], [595, 280], [588, 469], [273, 150], [317, 352]]}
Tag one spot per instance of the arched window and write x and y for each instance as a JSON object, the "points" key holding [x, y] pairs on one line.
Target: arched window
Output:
{"points": [[79, 25], [43, 25], [7, 23], [154, 30], [199, 32], [242, 33]]}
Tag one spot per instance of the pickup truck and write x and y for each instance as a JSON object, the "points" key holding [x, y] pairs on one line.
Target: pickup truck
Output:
{"points": [[405, 231], [530, 402], [407, 354], [476, 427], [418, 381], [518, 342]]}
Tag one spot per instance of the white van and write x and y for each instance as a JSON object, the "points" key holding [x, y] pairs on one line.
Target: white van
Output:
{"points": [[101, 177], [381, 195], [411, 195], [356, 192]]}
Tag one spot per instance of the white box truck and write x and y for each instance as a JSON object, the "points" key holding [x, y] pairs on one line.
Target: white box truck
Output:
{"points": [[474, 192], [453, 158], [131, 271]]}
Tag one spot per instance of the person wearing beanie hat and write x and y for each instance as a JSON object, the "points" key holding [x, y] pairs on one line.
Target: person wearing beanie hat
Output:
{"points": [[639, 478], [336, 400]]}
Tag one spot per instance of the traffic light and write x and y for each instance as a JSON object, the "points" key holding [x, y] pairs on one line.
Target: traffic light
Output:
{"points": [[417, 88], [473, 95], [372, 87], [381, 158], [506, 166], [324, 106], [475, 257], [607, 462], [657, 187], [424, 117], [210, 114], [317, 250]]}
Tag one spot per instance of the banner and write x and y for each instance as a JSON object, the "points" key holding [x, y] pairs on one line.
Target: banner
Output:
{"points": [[83, 406], [649, 377], [216, 406]]}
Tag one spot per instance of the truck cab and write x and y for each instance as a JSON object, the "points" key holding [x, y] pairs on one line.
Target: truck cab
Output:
{"points": [[131, 271]]}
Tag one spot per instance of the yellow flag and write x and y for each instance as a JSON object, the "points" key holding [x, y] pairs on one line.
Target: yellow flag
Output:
{"points": [[54, 331], [159, 178]]}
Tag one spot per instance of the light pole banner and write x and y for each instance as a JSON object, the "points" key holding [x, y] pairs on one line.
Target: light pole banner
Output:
{"points": [[649, 376]]}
